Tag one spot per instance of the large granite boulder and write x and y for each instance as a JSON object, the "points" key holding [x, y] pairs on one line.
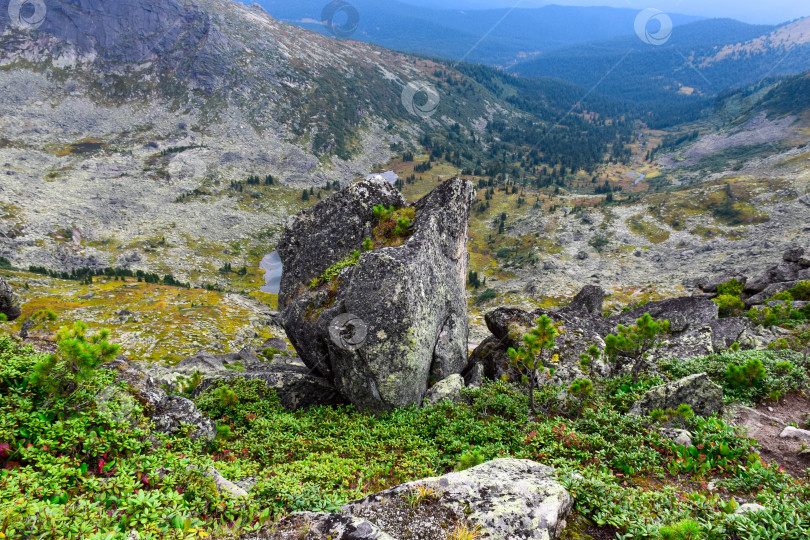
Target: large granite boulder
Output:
{"points": [[507, 498], [697, 391], [388, 324], [9, 302]]}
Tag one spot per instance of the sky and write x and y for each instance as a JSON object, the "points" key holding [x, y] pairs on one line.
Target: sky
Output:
{"points": [[750, 11]]}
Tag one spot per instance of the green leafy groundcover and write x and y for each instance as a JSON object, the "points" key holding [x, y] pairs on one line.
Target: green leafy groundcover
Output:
{"points": [[73, 469]]}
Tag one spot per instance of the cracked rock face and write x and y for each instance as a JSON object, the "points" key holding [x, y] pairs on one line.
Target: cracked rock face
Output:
{"points": [[697, 391], [9, 302], [402, 309], [507, 498]]}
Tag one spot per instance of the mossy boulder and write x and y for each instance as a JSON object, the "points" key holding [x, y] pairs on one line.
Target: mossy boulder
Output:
{"points": [[697, 391], [394, 318], [507, 498], [9, 302]]}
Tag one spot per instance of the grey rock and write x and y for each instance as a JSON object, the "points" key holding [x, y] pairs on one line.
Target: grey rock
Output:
{"points": [[748, 508], [167, 412], [582, 255], [224, 486], [794, 254], [688, 312], [9, 301], [176, 411], [446, 389], [474, 375], [508, 498], [728, 331], [321, 525], [328, 232], [295, 385], [795, 433], [697, 391], [770, 290], [710, 284], [678, 436], [588, 301], [381, 362]]}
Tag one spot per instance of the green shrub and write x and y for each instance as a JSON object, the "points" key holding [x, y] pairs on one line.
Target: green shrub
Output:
{"points": [[687, 529], [634, 342], [791, 373], [469, 459], [79, 354], [732, 287], [746, 376], [488, 294], [529, 359], [801, 291], [730, 305]]}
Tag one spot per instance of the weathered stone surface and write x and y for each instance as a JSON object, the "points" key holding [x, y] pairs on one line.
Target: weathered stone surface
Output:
{"points": [[178, 410], [791, 432], [697, 391], [167, 412], [9, 302], [328, 232], [696, 330], [748, 508], [588, 301], [224, 486], [678, 436], [295, 385], [508, 498], [685, 313], [321, 525], [449, 388], [406, 305]]}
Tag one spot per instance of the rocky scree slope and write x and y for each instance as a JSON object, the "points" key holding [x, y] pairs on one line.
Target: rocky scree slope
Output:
{"points": [[407, 302], [127, 122]]}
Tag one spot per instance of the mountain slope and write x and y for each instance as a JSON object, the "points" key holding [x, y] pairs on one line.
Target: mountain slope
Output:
{"points": [[129, 131]]}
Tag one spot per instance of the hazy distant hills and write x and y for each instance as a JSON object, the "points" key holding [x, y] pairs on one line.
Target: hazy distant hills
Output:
{"points": [[511, 36], [676, 80]]}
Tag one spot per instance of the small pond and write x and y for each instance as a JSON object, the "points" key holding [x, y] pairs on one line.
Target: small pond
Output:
{"points": [[271, 264]]}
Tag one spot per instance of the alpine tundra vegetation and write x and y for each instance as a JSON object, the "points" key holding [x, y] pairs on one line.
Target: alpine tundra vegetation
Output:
{"points": [[263, 278]]}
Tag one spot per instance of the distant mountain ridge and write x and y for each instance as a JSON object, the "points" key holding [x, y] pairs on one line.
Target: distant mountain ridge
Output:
{"points": [[510, 35], [681, 77]]}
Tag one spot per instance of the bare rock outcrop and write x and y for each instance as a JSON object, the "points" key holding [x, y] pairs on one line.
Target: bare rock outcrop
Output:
{"points": [[392, 318]]}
